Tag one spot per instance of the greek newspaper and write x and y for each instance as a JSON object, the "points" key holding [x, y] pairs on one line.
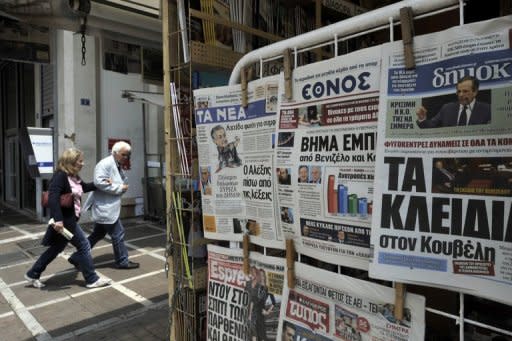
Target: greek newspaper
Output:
{"points": [[242, 307], [325, 157], [444, 161], [325, 306], [235, 150]]}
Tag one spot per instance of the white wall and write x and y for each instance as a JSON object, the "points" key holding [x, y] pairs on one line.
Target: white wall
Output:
{"points": [[85, 114], [76, 123], [155, 124], [121, 119]]}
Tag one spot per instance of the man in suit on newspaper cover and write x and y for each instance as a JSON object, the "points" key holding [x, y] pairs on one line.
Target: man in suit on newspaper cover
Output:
{"points": [[467, 111]]}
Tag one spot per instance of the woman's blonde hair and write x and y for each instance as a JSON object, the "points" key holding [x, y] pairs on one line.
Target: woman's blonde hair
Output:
{"points": [[67, 161]]}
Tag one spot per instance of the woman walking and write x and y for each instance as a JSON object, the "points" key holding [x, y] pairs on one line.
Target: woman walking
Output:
{"points": [[67, 180]]}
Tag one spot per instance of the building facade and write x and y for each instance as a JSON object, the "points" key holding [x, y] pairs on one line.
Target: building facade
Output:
{"points": [[65, 67]]}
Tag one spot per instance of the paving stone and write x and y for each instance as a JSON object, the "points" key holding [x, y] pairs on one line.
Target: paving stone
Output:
{"points": [[69, 311], [12, 257], [32, 247], [150, 287], [4, 307], [152, 243], [12, 328], [63, 317], [9, 233]]}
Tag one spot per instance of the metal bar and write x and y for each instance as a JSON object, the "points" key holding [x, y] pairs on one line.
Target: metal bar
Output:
{"points": [[235, 25], [461, 316]]}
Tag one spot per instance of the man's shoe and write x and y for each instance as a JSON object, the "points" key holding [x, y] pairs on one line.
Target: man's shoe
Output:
{"points": [[128, 266], [75, 264], [35, 282], [101, 282]]}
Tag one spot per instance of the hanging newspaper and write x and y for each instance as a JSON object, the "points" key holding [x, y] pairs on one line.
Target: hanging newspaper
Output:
{"points": [[243, 307], [326, 306], [325, 157], [235, 149], [444, 161]]}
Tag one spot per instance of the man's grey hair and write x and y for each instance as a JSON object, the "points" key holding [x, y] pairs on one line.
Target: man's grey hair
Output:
{"points": [[119, 146]]}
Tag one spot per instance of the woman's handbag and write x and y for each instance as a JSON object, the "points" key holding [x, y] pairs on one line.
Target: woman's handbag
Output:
{"points": [[66, 199]]}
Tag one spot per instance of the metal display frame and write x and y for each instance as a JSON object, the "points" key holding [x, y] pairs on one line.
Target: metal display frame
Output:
{"points": [[183, 312]]}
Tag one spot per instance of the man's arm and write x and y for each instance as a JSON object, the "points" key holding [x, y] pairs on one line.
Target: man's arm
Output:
{"points": [[423, 122], [102, 176]]}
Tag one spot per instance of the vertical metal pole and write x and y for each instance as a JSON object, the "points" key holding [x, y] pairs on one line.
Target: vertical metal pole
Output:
{"points": [[38, 109], [461, 12], [335, 45], [461, 317], [391, 31], [295, 57]]}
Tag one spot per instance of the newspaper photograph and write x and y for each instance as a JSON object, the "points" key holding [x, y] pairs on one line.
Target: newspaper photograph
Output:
{"points": [[444, 161], [243, 307], [325, 157], [327, 306], [235, 152]]}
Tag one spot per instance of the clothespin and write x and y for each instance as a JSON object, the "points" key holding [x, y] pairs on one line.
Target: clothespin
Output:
{"points": [[290, 263], [407, 25], [245, 245], [287, 64], [250, 73], [399, 300], [243, 83]]}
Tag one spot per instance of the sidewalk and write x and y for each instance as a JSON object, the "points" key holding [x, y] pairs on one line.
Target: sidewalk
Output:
{"points": [[134, 307]]}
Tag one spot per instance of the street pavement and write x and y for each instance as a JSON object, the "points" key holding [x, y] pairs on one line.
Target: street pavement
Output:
{"points": [[134, 307]]}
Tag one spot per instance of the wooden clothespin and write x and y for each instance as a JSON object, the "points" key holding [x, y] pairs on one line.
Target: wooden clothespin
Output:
{"points": [[407, 25], [290, 263], [243, 83], [399, 300], [245, 245], [250, 73], [287, 64]]}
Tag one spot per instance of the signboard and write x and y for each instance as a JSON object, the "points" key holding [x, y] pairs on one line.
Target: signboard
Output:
{"points": [[37, 147]]}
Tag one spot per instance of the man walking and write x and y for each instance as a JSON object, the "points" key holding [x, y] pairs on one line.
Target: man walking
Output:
{"points": [[111, 184]]}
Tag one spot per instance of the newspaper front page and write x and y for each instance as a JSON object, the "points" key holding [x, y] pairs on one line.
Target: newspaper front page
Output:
{"points": [[235, 150], [243, 307], [326, 306], [444, 161], [325, 157]]}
